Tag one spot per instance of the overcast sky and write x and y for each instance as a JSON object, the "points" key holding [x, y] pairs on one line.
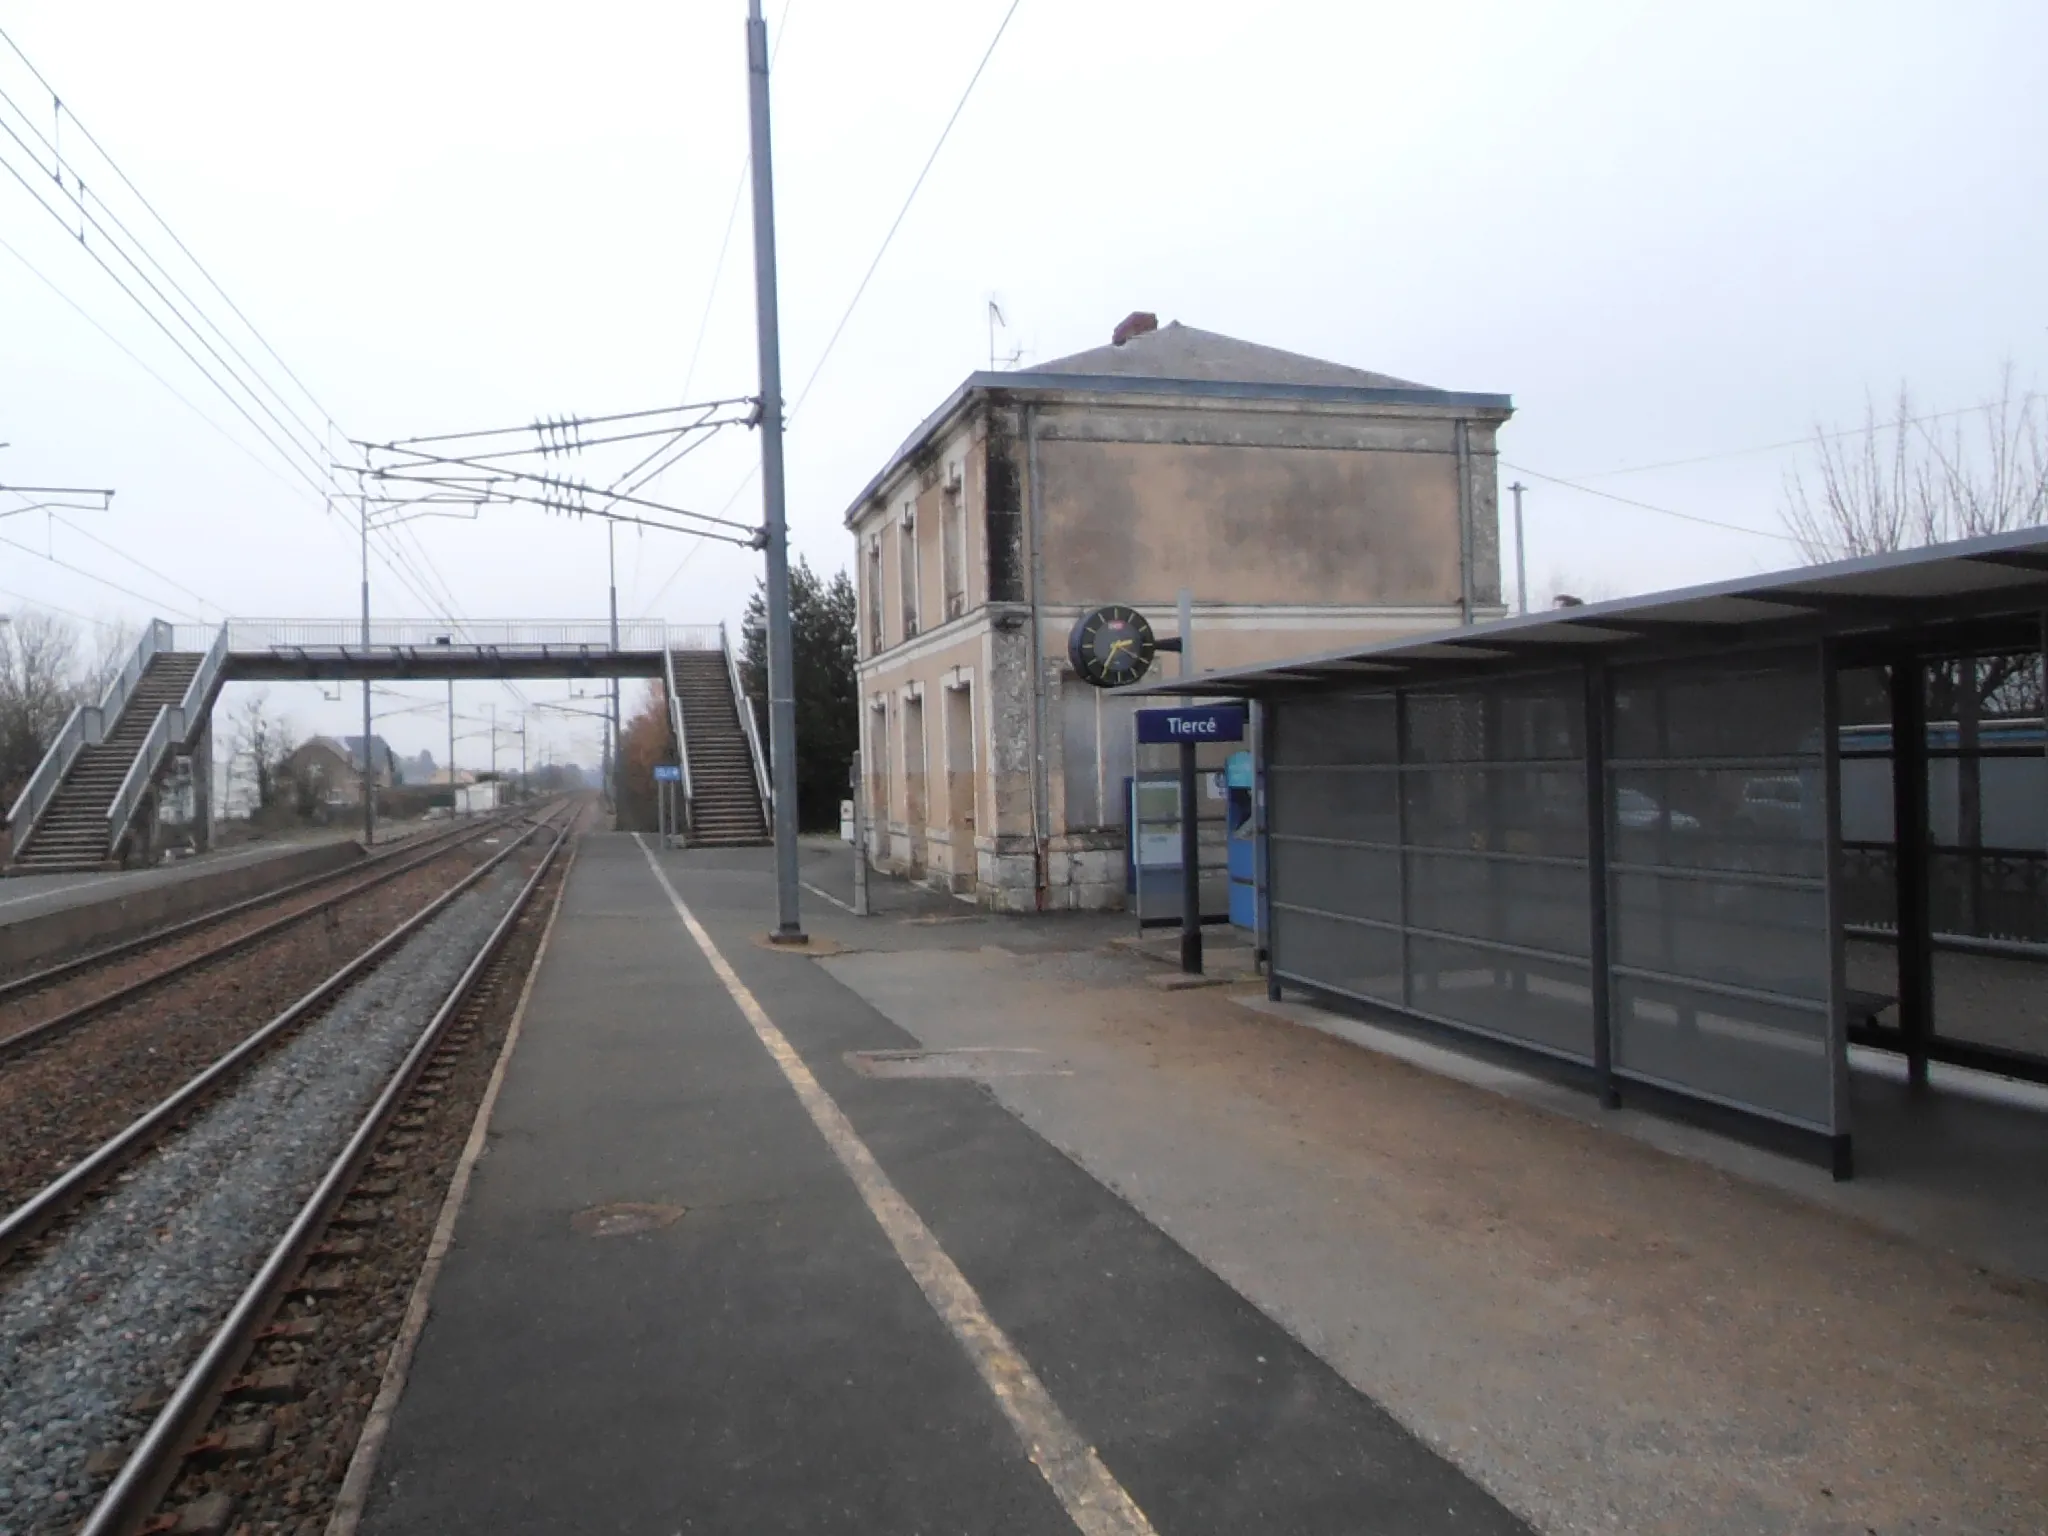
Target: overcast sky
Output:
{"points": [[1669, 233]]}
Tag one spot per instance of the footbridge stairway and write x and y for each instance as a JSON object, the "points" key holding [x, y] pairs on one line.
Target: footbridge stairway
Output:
{"points": [[725, 775], [91, 802]]}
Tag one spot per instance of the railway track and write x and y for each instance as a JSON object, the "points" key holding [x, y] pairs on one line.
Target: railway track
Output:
{"points": [[235, 1169], [80, 987]]}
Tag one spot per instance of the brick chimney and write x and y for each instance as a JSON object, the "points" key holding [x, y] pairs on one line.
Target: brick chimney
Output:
{"points": [[1137, 323]]}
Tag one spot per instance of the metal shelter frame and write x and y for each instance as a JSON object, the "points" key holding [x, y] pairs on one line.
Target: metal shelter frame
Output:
{"points": [[1611, 836]]}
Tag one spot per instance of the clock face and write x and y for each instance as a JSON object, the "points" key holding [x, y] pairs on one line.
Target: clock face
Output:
{"points": [[1112, 647]]}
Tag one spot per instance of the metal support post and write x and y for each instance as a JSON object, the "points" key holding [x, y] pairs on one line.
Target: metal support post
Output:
{"points": [[369, 779], [860, 840], [1598, 890], [451, 747], [1190, 806], [1910, 863], [612, 563], [1521, 564], [781, 661]]}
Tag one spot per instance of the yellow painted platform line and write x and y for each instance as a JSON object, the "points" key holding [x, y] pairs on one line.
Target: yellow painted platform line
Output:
{"points": [[1093, 1499]]}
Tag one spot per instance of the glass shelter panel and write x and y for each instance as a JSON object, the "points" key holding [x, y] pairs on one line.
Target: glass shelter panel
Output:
{"points": [[1429, 851], [1718, 826]]}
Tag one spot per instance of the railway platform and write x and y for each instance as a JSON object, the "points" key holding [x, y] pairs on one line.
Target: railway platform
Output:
{"points": [[737, 1259], [47, 914]]}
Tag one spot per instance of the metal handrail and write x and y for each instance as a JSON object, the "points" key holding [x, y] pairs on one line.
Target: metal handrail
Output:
{"points": [[675, 716], [141, 773], [42, 784], [745, 706], [266, 634], [198, 691], [157, 637]]}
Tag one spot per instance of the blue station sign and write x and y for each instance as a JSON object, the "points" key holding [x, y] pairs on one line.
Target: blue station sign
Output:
{"points": [[668, 773], [1191, 723]]}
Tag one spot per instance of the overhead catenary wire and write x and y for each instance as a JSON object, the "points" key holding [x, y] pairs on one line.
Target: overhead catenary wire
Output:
{"points": [[126, 591], [1645, 506], [297, 449], [143, 566], [903, 212], [1801, 442], [861, 288], [164, 224]]}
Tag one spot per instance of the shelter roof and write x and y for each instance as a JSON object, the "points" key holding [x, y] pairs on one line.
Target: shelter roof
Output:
{"points": [[2003, 573]]}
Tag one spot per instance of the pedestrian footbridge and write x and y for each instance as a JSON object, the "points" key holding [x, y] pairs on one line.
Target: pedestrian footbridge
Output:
{"points": [[91, 804]]}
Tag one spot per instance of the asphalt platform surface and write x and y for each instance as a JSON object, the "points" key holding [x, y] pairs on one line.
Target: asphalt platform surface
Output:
{"points": [[765, 1362]]}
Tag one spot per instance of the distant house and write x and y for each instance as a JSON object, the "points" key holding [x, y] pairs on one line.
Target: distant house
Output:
{"points": [[386, 761], [331, 770]]}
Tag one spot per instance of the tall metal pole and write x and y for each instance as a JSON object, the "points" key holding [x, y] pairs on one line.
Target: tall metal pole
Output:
{"points": [[451, 746], [1190, 811], [612, 557], [369, 780], [781, 661], [1521, 566], [493, 708]]}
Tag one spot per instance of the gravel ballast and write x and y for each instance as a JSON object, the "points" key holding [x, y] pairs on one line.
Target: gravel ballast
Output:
{"points": [[116, 1308]]}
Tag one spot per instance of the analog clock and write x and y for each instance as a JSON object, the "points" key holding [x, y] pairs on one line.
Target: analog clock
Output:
{"points": [[1112, 647]]}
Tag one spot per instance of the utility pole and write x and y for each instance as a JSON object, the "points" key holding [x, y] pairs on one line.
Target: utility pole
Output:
{"points": [[369, 780], [1521, 566], [493, 708], [781, 683], [451, 747], [612, 556]]}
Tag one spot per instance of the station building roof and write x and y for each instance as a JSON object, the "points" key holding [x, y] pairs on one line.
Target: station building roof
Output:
{"points": [[1182, 361], [1996, 575]]}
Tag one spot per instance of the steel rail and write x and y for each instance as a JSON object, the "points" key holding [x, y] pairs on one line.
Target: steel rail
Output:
{"points": [[70, 1187], [61, 1023], [16, 985], [152, 1467]]}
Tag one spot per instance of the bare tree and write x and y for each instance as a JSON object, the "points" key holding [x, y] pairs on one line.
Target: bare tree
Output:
{"points": [[39, 687], [261, 742], [1900, 483], [113, 642]]}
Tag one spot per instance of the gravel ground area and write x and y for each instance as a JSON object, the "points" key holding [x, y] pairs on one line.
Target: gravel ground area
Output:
{"points": [[63, 1099], [116, 1308], [1609, 1338]]}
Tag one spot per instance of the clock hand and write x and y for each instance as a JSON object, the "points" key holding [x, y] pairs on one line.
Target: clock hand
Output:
{"points": [[1119, 646]]}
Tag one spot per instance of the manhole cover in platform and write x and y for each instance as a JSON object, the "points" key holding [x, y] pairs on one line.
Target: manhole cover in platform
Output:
{"points": [[976, 1062], [623, 1218]]}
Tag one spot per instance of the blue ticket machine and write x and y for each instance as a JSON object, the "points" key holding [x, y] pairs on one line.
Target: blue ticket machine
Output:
{"points": [[1242, 842]]}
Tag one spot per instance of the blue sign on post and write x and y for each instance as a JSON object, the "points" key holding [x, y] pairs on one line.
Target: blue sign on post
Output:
{"points": [[668, 773], [1191, 723]]}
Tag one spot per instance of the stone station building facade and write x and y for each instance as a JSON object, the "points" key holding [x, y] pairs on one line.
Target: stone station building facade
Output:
{"points": [[1304, 504]]}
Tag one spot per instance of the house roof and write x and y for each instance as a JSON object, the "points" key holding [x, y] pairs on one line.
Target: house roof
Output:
{"points": [[1176, 351], [2004, 573], [351, 747], [1180, 360]]}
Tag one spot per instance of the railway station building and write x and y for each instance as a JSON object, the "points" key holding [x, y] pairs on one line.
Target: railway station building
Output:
{"points": [[1302, 503], [1703, 848]]}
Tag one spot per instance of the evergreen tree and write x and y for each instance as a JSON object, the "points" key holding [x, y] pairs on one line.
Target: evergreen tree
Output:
{"points": [[822, 615]]}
